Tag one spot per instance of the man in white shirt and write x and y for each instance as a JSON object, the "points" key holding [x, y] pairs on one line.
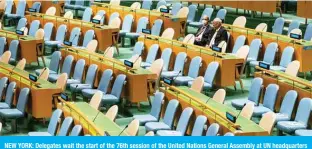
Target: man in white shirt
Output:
{"points": [[202, 34], [218, 33]]}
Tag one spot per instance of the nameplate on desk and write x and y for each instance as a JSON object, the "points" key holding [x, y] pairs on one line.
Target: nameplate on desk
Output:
{"points": [[264, 65], [68, 43], [64, 96], [128, 63], [146, 31], [32, 10], [164, 10], [230, 117], [216, 48], [96, 21], [19, 32], [295, 36], [33, 77], [168, 81]]}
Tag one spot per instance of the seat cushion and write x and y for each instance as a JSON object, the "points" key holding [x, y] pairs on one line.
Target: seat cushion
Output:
{"points": [[132, 35], [281, 117], [169, 74], [182, 80], [168, 133], [39, 134], [277, 68], [195, 24], [53, 77], [145, 65], [52, 43], [89, 92], [145, 118], [290, 126], [303, 132], [109, 99], [155, 126], [11, 113], [259, 110], [123, 32], [72, 81], [78, 87], [4, 105], [239, 103]]}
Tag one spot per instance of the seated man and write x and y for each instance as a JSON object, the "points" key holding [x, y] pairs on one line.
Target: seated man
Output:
{"points": [[202, 34], [218, 33]]}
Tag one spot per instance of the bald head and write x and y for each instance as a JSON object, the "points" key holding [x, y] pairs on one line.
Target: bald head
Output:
{"points": [[217, 22]]}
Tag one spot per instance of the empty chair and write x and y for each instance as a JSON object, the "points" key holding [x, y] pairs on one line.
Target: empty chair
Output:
{"points": [[209, 76], [48, 28], [114, 96], [197, 84], [293, 25], [5, 57], [269, 55], [100, 15], [95, 101], [34, 26], [181, 126], [301, 119], [168, 34], [113, 16], [19, 111], [21, 64], [20, 10], [267, 121], [154, 115], [21, 23], [89, 35], [67, 123], [247, 110], [254, 49], [219, 96], [66, 68], [156, 28], [240, 21], [69, 15], [8, 6], [135, 5], [76, 131], [192, 13], [10, 90], [156, 68], [308, 33], [268, 101], [133, 128], [78, 73], [14, 49], [303, 132], [44, 74], [199, 125], [287, 106], [239, 70], [151, 56], [278, 26], [189, 39], [103, 84], [89, 81], [192, 73], [207, 12], [287, 57], [175, 8], [262, 27], [59, 38], [168, 119], [146, 4], [213, 130], [166, 55], [126, 25], [92, 46], [52, 127], [161, 3], [112, 113], [51, 11], [61, 81], [3, 43], [3, 85], [254, 94], [87, 14], [109, 52], [178, 66], [221, 14], [74, 36], [293, 68], [54, 63], [142, 24], [240, 41]]}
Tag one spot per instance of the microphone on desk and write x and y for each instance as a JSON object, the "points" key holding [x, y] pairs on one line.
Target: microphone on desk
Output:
{"points": [[96, 115], [136, 59], [13, 70], [240, 111], [106, 51], [75, 91], [42, 72], [106, 133], [73, 38], [123, 130], [174, 78]]}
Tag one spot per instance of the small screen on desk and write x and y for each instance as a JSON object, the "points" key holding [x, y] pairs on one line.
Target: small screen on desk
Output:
{"points": [[295, 36], [264, 65], [128, 63], [96, 21], [168, 81], [146, 31], [64, 96], [216, 48], [68, 43], [33, 77], [32, 10], [19, 32], [230, 117], [164, 10]]}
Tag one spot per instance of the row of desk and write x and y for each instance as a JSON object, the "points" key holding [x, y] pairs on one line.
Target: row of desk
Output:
{"points": [[214, 111], [169, 21], [303, 49], [227, 62], [45, 5], [38, 106], [136, 86]]}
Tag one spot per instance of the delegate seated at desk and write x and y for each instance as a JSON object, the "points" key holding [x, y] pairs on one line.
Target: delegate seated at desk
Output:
{"points": [[217, 34], [202, 34]]}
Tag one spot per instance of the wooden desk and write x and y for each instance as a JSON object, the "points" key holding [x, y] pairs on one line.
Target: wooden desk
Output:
{"points": [[40, 100], [136, 86], [104, 34], [214, 111], [169, 21], [92, 121], [27, 45], [227, 63], [45, 5], [304, 9], [303, 49], [286, 83]]}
